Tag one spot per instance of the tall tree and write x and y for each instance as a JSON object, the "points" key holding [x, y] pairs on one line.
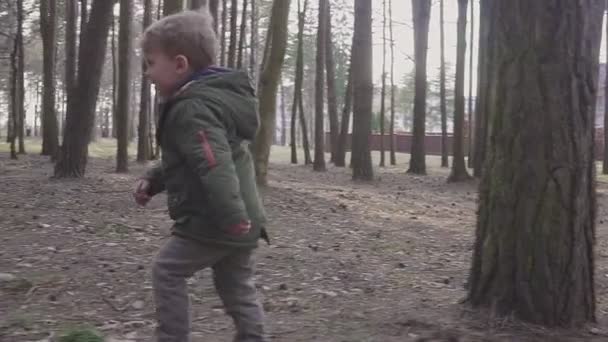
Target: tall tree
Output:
{"points": [[470, 110], [233, 33], [20, 123], [84, 14], [459, 169], [71, 14], [297, 90], [82, 101], [319, 162], [421, 13], [383, 89], [125, 46], [48, 27], [14, 97], [267, 87], [242, 35], [392, 127], [485, 81], [363, 89], [534, 252], [196, 4], [442, 95], [172, 6], [213, 9], [144, 151], [332, 101], [223, 33], [340, 159], [605, 159], [253, 50]]}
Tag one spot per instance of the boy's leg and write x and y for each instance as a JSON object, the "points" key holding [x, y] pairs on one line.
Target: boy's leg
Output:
{"points": [[233, 277], [176, 261]]}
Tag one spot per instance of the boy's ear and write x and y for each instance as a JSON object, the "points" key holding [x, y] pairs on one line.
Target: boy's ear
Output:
{"points": [[183, 64]]}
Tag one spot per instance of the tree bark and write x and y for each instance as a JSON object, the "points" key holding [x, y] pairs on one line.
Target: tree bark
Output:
{"points": [[143, 129], [223, 33], [81, 102], [444, 111], [48, 27], [345, 122], [172, 7], [283, 138], [383, 89], [233, 34], [485, 84], [421, 14], [471, 123], [125, 45], [459, 170], [319, 162], [253, 53], [242, 34], [197, 4], [213, 9], [297, 88], [392, 129], [20, 78], [332, 102], [115, 76], [534, 252], [14, 98], [605, 159], [269, 81], [363, 90], [71, 9]]}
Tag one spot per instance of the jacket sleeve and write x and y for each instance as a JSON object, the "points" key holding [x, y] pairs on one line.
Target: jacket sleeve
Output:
{"points": [[157, 180], [201, 139]]}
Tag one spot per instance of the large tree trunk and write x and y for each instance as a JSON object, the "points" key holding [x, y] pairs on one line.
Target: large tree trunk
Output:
{"points": [[534, 250], [71, 13], [485, 82], [332, 102], [20, 78], [125, 46], [48, 25], [345, 122], [444, 111], [319, 162], [197, 4], [144, 151], [269, 82], [459, 168], [233, 34], [363, 90], [213, 9], [392, 127], [471, 123], [223, 33], [383, 89], [421, 14], [242, 35], [81, 102], [172, 7]]}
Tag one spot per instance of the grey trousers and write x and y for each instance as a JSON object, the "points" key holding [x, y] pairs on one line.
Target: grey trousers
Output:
{"points": [[233, 271]]}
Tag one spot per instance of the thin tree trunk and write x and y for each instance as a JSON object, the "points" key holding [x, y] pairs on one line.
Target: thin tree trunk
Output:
{"points": [[253, 53], [383, 90], [534, 252], [332, 102], [421, 12], [37, 109], [20, 78], [223, 33], [115, 76], [143, 129], [605, 159], [125, 46], [305, 132], [84, 15], [297, 88], [444, 111], [243, 34], [48, 26], [172, 7], [81, 103], [214, 10], [197, 4], [471, 123], [269, 80], [14, 97], [233, 34], [345, 122], [363, 90], [392, 129], [283, 138], [71, 8], [459, 169], [319, 162]]}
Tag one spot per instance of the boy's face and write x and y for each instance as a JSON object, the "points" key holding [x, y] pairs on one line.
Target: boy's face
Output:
{"points": [[166, 72]]}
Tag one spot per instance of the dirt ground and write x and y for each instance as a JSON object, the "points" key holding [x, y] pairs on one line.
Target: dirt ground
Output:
{"points": [[385, 261]]}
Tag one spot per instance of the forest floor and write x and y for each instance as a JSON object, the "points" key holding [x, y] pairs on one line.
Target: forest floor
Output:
{"points": [[384, 261]]}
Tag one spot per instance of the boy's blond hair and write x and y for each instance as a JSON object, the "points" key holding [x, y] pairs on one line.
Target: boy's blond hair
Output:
{"points": [[187, 33]]}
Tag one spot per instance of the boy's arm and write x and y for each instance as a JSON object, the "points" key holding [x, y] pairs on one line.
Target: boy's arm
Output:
{"points": [[201, 139]]}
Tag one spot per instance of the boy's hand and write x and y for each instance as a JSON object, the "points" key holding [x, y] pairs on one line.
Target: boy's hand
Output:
{"points": [[239, 229], [140, 192]]}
